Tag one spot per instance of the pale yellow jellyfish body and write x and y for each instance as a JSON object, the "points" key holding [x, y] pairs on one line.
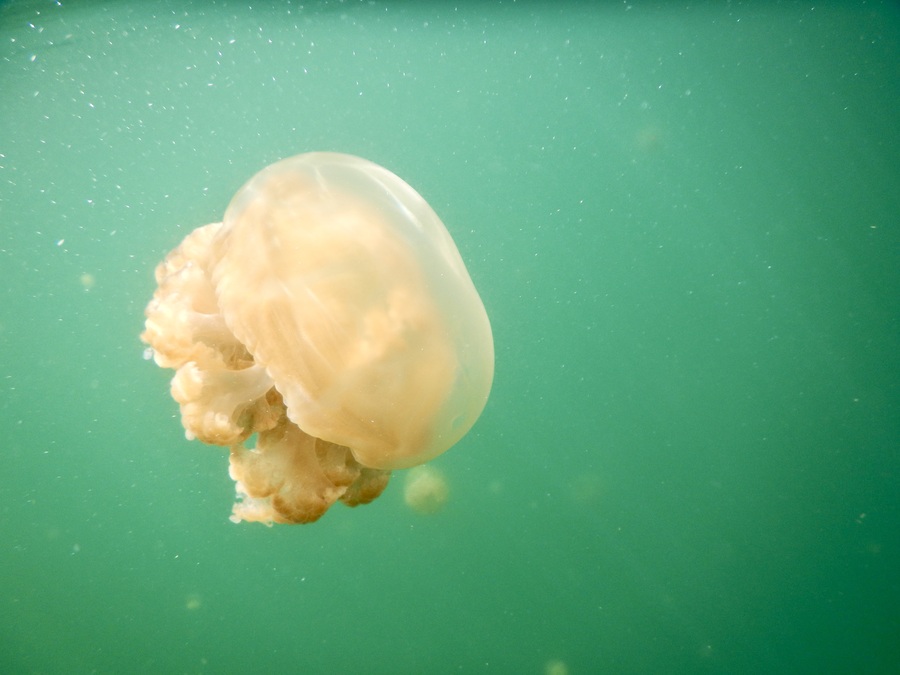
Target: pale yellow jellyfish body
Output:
{"points": [[331, 314], [425, 490]]}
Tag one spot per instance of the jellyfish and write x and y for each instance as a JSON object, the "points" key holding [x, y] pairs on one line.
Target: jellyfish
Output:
{"points": [[425, 490], [326, 332]]}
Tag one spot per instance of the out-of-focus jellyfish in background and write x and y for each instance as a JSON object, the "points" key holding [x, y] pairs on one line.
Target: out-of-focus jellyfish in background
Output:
{"points": [[425, 490], [331, 315], [556, 667], [193, 602]]}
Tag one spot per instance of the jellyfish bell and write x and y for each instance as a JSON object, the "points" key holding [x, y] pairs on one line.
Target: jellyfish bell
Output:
{"points": [[331, 314], [362, 309]]}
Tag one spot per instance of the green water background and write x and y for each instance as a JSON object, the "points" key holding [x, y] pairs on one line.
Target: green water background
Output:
{"points": [[683, 221]]}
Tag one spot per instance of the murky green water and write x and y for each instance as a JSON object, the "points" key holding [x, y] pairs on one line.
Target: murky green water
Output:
{"points": [[684, 225]]}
